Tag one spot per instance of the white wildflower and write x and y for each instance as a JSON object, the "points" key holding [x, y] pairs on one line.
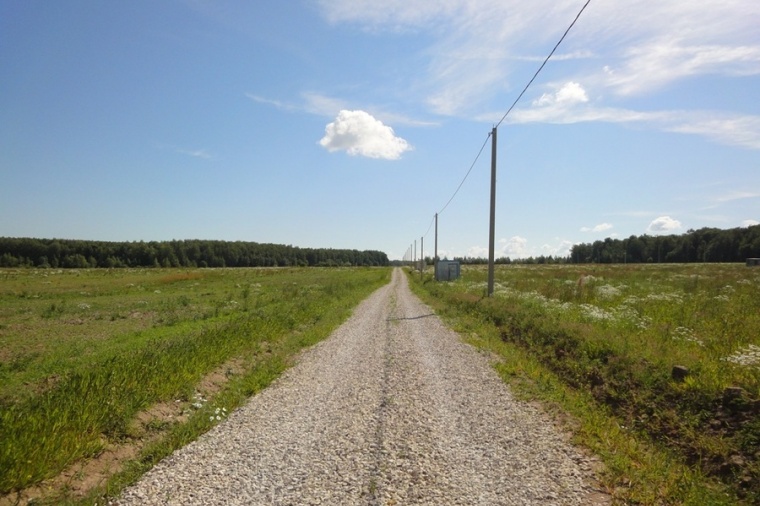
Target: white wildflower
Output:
{"points": [[607, 292], [596, 313], [686, 334], [747, 357], [665, 297]]}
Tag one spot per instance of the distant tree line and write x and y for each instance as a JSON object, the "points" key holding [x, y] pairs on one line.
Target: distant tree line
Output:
{"points": [[703, 245], [65, 253]]}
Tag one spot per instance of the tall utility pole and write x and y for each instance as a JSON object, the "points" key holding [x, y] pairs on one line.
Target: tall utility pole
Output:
{"points": [[435, 257], [422, 256], [492, 228]]}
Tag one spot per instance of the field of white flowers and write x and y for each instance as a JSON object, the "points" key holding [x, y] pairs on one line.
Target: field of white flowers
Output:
{"points": [[695, 312]]}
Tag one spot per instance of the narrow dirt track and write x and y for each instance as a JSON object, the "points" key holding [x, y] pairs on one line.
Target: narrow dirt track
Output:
{"points": [[392, 409]]}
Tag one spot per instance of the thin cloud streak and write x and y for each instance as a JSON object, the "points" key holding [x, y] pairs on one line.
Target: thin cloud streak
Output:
{"points": [[570, 104], [326, 106], [641, 47]]}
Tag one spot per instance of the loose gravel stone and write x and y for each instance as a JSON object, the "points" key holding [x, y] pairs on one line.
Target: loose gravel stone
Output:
{"points": [[393, 408]]}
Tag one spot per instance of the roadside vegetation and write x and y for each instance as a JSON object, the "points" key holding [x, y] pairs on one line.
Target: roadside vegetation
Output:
{"points": [[655, 368], [93, 360]]}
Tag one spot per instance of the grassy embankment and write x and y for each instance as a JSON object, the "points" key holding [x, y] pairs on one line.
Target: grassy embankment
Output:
{"points": [[658, 367], [84, 353]]}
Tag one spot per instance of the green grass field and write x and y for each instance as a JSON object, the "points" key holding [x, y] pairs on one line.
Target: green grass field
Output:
{"points": [[602, 343], [84, 352]]}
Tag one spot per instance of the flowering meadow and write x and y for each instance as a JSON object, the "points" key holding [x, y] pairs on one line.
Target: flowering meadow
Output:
{"points": [[670, 351], [703, 316]]}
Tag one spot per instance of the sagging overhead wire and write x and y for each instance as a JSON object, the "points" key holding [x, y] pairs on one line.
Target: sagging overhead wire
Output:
{"points": [[546, 60], [468, 172], [543, 64], [461, 183]]}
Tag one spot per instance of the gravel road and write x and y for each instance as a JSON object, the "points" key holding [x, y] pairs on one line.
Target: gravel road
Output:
{"points": [[392, 409]]}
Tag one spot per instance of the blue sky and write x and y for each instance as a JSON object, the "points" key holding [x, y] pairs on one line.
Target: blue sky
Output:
{"points": [[349, 123]]}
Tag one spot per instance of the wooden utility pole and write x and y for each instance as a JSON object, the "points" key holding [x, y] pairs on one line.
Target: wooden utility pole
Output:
{"points": [[492, 228], [435, 257], [422, 256]]}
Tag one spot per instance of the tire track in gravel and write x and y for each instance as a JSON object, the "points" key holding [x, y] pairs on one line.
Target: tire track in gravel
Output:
{"points": [[392, 409]]}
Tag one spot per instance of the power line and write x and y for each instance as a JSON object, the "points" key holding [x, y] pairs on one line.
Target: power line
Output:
{"points": [[429, 227], [468, 173], [542, 65], [509, 111], [461, 183]]}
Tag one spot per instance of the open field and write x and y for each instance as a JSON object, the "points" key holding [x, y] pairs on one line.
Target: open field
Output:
{"points": [[659, 365], [89, 358]]}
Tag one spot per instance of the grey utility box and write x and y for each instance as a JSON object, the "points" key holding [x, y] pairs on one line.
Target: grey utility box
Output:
{"points": [[753, 262], [446, 270]]}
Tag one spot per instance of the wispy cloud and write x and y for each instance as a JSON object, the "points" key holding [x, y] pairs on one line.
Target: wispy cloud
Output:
{"points": [[597, 228], [569, 103], [739, 130], [737, 195], [659, 63], [196, 153], [575, 55], [324, 105], [275, 103], [638, 48]]}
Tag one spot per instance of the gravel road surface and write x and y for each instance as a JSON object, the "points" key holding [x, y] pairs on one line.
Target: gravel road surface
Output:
{"points": [[392, 409]]}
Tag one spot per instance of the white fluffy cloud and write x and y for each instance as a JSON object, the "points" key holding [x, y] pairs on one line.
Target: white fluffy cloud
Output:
{"points": [[560, 249], [359, 133], [568, 94], [514, 247], [663, 224], [598, 228], [750, 223]]}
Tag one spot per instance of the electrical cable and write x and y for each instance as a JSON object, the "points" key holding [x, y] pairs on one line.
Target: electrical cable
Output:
{"points": [[542, 65], [510, 110], [468, 173]]}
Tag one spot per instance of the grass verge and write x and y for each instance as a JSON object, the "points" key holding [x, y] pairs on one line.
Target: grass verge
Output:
{"points": [[541, 357]]}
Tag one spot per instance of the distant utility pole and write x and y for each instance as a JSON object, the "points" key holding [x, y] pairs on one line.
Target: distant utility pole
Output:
{"points": [[435, 257], [422, 256], [492, 228]]}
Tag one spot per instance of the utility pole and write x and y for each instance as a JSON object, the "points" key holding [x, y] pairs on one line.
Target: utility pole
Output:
{"points": [[435, 257], [422, 256], [492, 228]]}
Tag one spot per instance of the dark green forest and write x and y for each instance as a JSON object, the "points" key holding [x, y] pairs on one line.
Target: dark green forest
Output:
{"points": [[65, 253], [703, 245]]}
